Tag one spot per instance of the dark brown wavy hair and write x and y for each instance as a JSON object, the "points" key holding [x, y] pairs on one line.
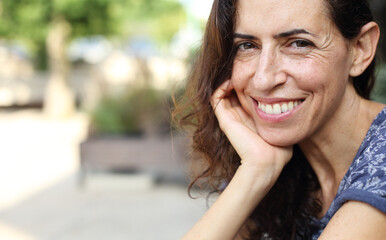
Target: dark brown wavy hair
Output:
{"points": [[286, 211]]}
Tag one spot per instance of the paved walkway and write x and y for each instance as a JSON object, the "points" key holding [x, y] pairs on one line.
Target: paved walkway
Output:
{"points": [[40, 198], [128, 208]]}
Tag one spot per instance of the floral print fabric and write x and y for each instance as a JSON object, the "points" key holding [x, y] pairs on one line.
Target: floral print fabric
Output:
{"points": [[365, 179]]}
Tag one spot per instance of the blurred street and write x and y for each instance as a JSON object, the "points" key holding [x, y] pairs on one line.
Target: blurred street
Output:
{"points": [[40, 197], [113, 68]]}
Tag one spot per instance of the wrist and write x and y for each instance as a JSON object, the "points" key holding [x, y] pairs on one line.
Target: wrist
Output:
{"points": [[251, 184]]}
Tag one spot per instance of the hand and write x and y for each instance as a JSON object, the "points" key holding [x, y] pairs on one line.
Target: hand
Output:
{"points": [[240, 129], [260, 168]]}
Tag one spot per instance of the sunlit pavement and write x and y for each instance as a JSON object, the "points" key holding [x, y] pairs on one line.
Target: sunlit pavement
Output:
{"points": [[40, 197]]}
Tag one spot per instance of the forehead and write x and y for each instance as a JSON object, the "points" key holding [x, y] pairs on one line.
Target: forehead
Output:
{"points": [[278, 15]]}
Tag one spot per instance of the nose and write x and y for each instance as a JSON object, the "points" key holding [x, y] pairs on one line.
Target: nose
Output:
{"points": [[268, 75]]}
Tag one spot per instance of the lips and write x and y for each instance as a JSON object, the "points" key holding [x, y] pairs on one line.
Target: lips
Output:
{"points": [[278, 108]]}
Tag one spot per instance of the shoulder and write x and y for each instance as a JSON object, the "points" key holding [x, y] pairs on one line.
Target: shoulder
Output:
{"points": [[364, 185], [366, 178], [370, 158], [374, 140]]}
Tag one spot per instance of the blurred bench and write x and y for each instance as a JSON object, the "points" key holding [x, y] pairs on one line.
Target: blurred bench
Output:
{"points": [[163, 157]]}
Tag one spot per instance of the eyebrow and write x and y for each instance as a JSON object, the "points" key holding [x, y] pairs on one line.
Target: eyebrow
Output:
{"points": [[280, 35], [244, 36], [292, 32]]}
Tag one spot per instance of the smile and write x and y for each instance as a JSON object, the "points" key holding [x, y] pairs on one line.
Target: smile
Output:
{"points": [[278, 108]]}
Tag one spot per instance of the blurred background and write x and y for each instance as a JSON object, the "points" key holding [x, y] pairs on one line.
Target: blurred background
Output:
{"points": [[86, 86]]}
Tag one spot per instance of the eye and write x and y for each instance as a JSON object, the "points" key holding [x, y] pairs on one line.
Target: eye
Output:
{"points": [[301, 43], [245, 46]]}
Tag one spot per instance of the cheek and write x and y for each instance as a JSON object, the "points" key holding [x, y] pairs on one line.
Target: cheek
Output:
{"points": [[326, 81], [241, 75], [312, 81], [313, 75], [327, 72]]}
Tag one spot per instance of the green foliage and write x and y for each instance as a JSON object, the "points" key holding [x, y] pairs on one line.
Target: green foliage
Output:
{"points": [[89, 17], [160, 19], [379, 92], [134, 111], [30, 20], [24, 19]]}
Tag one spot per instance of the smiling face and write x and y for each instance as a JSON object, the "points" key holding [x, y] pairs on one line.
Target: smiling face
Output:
{"points": [[291, 70]]}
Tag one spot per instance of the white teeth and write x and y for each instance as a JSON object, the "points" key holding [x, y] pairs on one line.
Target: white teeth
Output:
{"points": [[277, 108], [284, 107], [290, 105], [268, 109]]}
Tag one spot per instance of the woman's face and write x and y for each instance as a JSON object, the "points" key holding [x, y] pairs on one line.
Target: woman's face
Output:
{"points": [[291, 69]]}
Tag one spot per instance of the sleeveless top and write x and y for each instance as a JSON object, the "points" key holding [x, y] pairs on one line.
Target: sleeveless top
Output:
{"points": [[365, 180]]}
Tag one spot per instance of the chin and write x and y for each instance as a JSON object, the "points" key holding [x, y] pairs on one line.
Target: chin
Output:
{"points": [[279, 139]]}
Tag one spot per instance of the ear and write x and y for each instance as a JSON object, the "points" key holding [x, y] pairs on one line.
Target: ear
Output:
{"points": [[364, 48]]}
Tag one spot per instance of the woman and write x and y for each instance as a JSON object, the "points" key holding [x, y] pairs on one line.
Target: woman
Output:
{"points": [[278, 101]]}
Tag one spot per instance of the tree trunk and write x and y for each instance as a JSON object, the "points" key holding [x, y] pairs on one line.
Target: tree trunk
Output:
{"points": [[59, 100]]}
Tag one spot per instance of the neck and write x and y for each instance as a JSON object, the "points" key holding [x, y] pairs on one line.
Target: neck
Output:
{"points": [[332, 148]]}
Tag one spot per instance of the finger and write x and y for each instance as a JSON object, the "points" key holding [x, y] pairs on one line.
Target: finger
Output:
{"points": [[234, 99], [244, 115], [221, 92]]}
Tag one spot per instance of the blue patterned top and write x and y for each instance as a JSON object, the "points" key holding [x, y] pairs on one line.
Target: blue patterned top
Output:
{"points": [[365, 179]]}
